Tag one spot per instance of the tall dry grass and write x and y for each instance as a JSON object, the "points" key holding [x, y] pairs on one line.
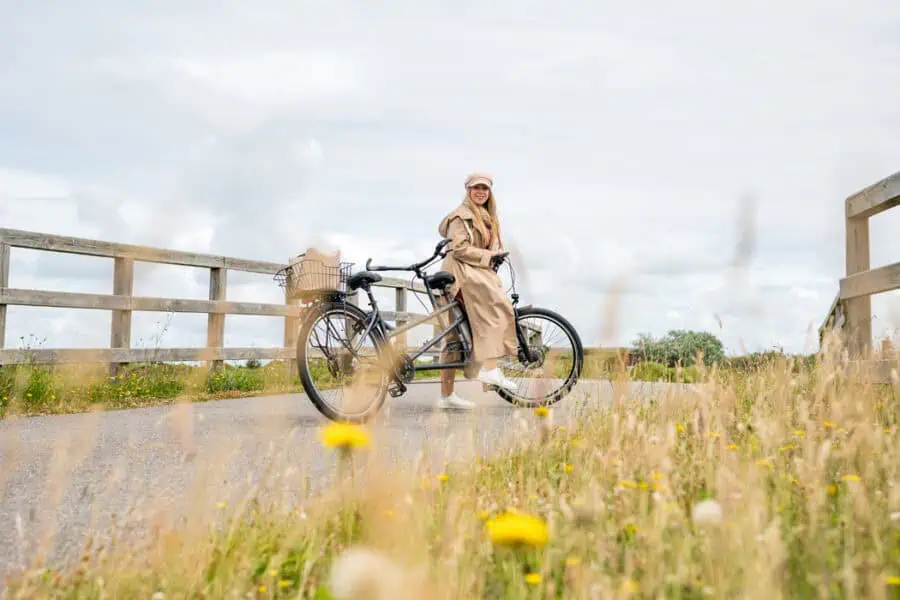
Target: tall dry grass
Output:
{"points": [[779, 483]]}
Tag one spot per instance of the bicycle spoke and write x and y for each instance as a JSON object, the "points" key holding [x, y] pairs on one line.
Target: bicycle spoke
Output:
{"points": [[544, 378], [346, 365]]}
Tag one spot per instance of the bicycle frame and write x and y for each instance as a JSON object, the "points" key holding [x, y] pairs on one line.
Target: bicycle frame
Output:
{"points": [[375, 320]]}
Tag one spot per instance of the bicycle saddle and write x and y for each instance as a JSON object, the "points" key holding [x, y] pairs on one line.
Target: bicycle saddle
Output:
{"points": [[363, 279], [439, 280]]}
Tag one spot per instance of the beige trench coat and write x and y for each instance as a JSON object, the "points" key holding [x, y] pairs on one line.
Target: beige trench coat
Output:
{"points": [[489, 310]]}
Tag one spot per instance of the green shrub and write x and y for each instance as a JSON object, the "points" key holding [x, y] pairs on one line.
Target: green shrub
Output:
{"points": [[39, 388], [650, 371], [679, 347], [230, 379], [140, 381], [7, 387]]}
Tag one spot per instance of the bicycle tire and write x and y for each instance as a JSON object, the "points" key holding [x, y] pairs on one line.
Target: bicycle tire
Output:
{"points": [[577, 362], [309, 386]]}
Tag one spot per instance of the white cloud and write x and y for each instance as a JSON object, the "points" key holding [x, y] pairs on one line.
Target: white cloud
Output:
{"points": [[622, 140]]}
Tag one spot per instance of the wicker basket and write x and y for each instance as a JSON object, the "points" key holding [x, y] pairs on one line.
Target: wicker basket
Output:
{"points": [[314, 274]]}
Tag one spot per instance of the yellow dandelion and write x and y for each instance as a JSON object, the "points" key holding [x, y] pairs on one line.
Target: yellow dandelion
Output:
{"points": [[263, 589], [220, 504], [765, 462], [443, 478], [517, 528], [569, 468], [573, 561], [273, 573], [344, 436], [714, 435], [732, 447], [892, 580], [627, 484], [832, 490], [533, 579], [787, 447], [643, 485], [542, 411], [630, 586], [679, 427], [850, 477], [284, 584], [799, 433], [656, 476], [828, 425]]}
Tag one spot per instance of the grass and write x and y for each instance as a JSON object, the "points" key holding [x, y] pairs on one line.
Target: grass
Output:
{"points": [[775, 483], [57, 389], [42, 389]]}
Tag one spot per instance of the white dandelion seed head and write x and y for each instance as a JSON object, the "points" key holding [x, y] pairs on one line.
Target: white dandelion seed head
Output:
{"points": [[707, 512], [362, 573]]}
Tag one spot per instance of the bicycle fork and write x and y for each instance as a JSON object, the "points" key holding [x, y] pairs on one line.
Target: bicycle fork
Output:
{"points": [[525, 351]]}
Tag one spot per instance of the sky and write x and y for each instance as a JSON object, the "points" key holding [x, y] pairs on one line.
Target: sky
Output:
{"points": [[657, 165]]}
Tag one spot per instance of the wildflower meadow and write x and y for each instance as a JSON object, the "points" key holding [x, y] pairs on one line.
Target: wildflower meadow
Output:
{"points": [[778, 482]]}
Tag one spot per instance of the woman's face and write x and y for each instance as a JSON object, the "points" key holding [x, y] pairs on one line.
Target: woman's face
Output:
{"points": [[479, 194]]}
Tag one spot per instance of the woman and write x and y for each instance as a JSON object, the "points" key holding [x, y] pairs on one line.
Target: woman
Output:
{"points": [[474, 233]]}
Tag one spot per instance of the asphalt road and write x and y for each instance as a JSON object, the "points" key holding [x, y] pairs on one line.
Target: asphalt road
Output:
{"points": [[121, 472]]}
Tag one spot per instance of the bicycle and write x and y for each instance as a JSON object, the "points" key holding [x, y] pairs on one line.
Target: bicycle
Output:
{"points": [[365, 347]]}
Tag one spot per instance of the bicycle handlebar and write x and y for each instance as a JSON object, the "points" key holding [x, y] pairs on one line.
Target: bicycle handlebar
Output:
{"points": [[414, 267]]}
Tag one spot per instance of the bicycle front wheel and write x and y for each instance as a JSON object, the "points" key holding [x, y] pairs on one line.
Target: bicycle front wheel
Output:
{"points": [[342, 373], [555, 364]]}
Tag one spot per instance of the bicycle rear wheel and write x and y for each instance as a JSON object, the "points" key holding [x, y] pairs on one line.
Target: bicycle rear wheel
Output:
{"points": [[342, 373], [558, 362]]}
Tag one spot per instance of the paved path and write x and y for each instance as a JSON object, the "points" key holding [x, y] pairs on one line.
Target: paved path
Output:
{"points": [[63, 476]]}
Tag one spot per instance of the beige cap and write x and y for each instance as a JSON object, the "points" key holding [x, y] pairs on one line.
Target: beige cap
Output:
{"points": [[476, 178]]}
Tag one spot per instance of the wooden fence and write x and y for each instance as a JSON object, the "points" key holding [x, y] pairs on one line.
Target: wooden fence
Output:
{"points": [[851, 311], [122, 302]]}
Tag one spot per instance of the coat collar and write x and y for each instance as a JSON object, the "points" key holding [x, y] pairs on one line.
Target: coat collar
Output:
{"points": [[462, 211]]}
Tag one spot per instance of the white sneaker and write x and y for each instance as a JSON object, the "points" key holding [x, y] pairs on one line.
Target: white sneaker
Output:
{"points": [[496, 378], [455, 402]]}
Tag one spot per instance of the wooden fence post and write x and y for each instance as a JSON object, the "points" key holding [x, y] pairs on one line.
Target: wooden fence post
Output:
{"points": [[4, 283], [290, 336], [120, 322], [859, 309], [215, 324]]}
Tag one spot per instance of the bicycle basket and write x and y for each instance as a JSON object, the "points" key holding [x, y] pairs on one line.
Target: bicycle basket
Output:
{"points": [[314, 274]]}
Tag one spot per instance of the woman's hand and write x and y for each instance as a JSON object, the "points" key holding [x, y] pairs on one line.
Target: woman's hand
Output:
{"points": [[498, 258]]}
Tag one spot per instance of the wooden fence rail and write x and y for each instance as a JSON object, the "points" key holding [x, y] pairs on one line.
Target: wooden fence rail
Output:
{"points": [[122, 303], [851, 311]]}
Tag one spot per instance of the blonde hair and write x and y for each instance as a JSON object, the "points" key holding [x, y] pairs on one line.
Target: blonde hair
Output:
{"points": [[477, 211]]}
